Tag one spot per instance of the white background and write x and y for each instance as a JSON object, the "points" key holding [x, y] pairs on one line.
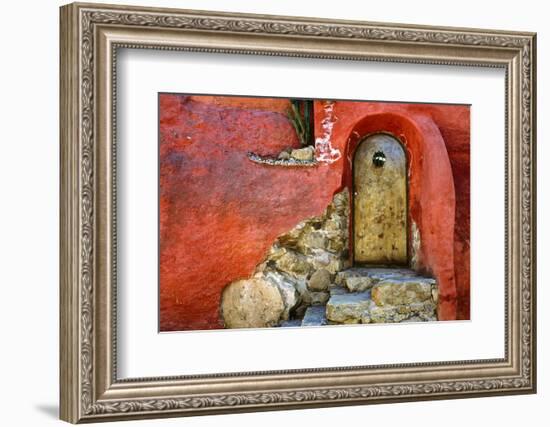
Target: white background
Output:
{"points": [[145, 353], [29, 170]]}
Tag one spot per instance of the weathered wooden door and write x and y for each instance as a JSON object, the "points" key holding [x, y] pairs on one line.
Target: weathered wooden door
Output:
{"points": [[380, 201]]}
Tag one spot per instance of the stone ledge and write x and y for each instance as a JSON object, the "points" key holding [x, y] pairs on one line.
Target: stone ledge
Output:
{"points": [[360, 279], [271, 161]]}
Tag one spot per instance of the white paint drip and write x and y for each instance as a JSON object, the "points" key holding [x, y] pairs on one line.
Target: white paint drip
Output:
{"points": [[324, 152]]}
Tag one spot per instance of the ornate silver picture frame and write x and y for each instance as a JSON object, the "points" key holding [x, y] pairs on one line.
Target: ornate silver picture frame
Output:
{"points": [[90, 388]]}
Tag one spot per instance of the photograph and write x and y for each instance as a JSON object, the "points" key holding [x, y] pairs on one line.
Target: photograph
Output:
{"points": [[290, 212]]}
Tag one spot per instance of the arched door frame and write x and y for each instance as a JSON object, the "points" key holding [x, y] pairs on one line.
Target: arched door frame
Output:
{"points": [[361, 141], [431, 195]]}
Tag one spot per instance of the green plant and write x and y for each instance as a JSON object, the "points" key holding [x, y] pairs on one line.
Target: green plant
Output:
{"points": [[301, 117]]}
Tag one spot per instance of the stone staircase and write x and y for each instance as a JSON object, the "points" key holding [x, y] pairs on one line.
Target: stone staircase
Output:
{"points": [[305, 280], [374, 295]]}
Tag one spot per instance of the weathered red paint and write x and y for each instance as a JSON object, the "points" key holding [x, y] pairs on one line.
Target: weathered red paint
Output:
{"points": [[220, 212]]}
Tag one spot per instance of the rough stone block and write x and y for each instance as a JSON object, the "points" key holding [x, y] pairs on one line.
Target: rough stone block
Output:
{"points": [[348, 308], [305, 153], [252, 303], [337, 290], [294, 264], [340, 204], [284, 155], [319, 280], [403, 291], [335, 223], [286, 286], [327, 260], [319, 297], [290, 239], [416, 312], [315, 316], [361, 279]]}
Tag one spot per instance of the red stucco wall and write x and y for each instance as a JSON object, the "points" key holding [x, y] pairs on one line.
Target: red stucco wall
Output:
{"points": [[220, 212]]}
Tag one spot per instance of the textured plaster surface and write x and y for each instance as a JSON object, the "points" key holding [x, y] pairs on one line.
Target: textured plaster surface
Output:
{"points": [[220, 213]]}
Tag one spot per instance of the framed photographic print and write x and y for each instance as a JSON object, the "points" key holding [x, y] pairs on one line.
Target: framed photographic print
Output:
{"points": [[267, 212]]}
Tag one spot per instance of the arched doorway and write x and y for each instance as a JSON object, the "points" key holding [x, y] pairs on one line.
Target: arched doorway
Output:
{"points": [[380, 202]]}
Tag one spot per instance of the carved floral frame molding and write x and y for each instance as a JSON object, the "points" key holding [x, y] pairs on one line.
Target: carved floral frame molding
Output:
{"points": [[90, 37]]}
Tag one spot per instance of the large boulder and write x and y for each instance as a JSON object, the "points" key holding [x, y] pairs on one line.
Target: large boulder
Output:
{"points": [[252, 303]]}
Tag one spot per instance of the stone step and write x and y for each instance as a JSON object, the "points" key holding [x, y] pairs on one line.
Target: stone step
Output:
{"points": [[337, 290], [381, 295], [403, 291], [348, 308], [360, 279], [415, 312], [315, 315], [375, 295], [359, 307]]}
